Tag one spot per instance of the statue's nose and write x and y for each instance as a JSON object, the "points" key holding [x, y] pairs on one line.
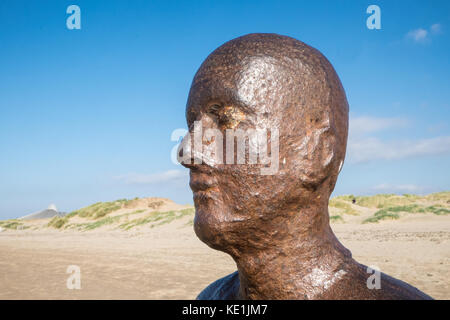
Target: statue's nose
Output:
{"points": [[185, 154], [184, 149]]}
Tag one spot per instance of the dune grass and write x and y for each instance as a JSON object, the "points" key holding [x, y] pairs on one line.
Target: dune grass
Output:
{"points": [[336, 218], [392, 212], [381, 201], [58, 222], [98, 210], [342, 205], [95, 211], [13, 224], [438, 210], [381, 215], [416, 208], [101, 222], [157, 218], [439, 196], [102, 209], [156, 204]]}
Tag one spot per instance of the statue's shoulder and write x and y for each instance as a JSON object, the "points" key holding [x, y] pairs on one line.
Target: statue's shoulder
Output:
{"points": [[402, 290], [226, 288], [392, 288]]}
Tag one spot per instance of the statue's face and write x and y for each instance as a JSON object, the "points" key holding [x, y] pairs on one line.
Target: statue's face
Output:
{"points": [[231, 189], [234, 194]]}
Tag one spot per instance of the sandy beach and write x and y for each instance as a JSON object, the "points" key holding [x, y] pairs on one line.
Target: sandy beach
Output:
{"points": [[169, 262]]}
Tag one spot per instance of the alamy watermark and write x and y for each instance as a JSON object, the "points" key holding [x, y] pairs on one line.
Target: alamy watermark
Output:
{"points": [[74, 280], [207, 146], [374, 281], [374, 20], [74, 20]]}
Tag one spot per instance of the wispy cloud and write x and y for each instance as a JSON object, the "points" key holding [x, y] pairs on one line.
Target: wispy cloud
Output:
{"points": [[436, 28], [367, 149], [400, 188], [418, 35], [169, 176], [422, 35], [364, 124], [363, 146]]}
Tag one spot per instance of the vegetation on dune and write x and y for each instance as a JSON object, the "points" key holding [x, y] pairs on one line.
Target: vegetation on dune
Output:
{"points": [[102, 209], [336, 218], [378, 201], [98, 210], [97, 224], [101, 222], [342, 205], [99, 213], [157, 218], [156, 204], [382, 201], [438, 210], [392, 212], [58, 222], [13, 225], [416, 208], [381, 215], [439, 196]]}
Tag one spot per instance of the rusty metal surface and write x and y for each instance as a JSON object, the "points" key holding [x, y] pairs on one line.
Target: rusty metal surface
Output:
{"points": [[276, 227]]}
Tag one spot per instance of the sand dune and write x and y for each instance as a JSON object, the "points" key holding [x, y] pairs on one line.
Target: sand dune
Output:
{"points": [[154, 254]]}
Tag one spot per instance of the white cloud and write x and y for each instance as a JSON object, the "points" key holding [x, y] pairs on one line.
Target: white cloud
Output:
{"points": [[371, 148], [422, 36], [365, 146], [436, 28], [401, 188], [169, 176], [362, 125], [418, 35]]}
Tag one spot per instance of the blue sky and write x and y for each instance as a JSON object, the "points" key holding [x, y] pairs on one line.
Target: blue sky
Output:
{"points": [[86, 115]]}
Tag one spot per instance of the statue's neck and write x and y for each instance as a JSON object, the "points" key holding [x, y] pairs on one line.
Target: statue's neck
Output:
{"points": [[299, 264]]}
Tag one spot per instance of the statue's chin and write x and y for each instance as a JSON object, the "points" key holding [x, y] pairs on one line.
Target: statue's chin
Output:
{"points": [[208, 229], [215, 224]]}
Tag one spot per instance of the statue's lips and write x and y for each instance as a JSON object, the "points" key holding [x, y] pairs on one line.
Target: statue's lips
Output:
{"points": [[201, 181]]}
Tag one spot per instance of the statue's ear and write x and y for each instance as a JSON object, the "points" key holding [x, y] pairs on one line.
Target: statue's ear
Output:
{"points": [[317, 155]]}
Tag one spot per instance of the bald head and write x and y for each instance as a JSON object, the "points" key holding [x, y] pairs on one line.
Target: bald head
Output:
{"points": [[267, 82], [278, 81]]}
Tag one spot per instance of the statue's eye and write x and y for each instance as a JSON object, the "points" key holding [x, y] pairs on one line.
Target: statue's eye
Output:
{"points": [[215, 109], [227, 116]]}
